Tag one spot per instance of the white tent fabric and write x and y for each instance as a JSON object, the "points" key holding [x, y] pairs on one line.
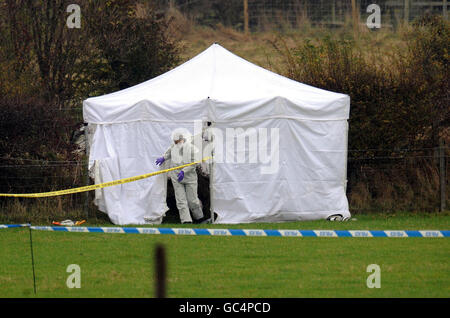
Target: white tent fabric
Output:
{"points": [[305, 179]]}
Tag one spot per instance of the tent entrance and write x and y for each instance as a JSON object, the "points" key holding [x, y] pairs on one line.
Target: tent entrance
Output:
{"points": [[204, 186], [172, 215]]}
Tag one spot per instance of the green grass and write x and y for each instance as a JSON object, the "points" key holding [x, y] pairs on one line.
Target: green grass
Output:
{"points": [[120, 265], [374, 221]]}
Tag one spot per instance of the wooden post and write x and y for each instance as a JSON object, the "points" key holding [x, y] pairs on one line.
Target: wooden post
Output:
{"points": [[333, 12], [442, 174], [246, 16], [355, 17], [160, 272], [444, 9], [406, 11]]}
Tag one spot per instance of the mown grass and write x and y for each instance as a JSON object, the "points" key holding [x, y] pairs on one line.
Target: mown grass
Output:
{"points": [[118, 265], [373, 221]]}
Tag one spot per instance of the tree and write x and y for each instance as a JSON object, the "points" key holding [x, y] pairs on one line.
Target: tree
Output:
{"points": [[55, 48], [132, 43], [120, 43]]}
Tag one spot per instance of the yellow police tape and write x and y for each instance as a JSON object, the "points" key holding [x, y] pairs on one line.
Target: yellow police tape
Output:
{"points": [[100, 185]]}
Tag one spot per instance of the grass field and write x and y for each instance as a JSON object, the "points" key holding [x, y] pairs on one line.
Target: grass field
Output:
{"points": [[121, 265]]}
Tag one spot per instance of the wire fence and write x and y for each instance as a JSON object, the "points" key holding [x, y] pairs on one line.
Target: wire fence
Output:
{"points": [[275, 14], [378, 181], [407, 180], [334, 13]]}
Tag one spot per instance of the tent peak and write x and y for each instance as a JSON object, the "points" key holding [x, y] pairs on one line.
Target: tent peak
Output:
{"points": [[217, 44]]}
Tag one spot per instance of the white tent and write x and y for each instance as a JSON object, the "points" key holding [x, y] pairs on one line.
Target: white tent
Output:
{"points": [[298, 172]]}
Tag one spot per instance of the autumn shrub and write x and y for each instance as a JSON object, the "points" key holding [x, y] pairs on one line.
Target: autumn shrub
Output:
{"points": [[399, 109]]}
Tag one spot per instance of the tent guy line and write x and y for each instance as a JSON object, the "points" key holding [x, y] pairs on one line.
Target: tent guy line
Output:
{"points": [[100, 185], [240, 232]]}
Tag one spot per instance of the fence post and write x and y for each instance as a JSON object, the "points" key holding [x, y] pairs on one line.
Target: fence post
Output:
{"points": [[444, 9], [246, 16], [442, 174], [32, 258], [355, 17], [333, 12], [406, 11], [160, 272]]}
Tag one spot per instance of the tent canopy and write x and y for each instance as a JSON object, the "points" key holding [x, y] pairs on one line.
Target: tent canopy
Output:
{"points": [[132, 127], [221, 86]]}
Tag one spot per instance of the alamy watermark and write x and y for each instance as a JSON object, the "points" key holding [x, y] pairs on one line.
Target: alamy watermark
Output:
{"points": [[74, 279], [232, 145], [74, 19], [374, 19], [374, 279]]}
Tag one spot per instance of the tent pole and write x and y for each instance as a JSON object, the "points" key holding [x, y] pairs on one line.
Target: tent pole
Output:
{"points": [[346, 159], [86, 197], [211, 179]]}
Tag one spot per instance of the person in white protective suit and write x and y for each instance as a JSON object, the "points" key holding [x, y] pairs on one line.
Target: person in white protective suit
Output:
{"points": [[184, 180]]}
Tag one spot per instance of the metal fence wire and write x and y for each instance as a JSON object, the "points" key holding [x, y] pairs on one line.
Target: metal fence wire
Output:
{"points": [[276, 14], [378, 181], [335, 13], [403, 180]]}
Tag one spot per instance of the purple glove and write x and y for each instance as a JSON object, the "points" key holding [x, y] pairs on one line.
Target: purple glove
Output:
{"points": [[180, 175], [160, 161]]}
